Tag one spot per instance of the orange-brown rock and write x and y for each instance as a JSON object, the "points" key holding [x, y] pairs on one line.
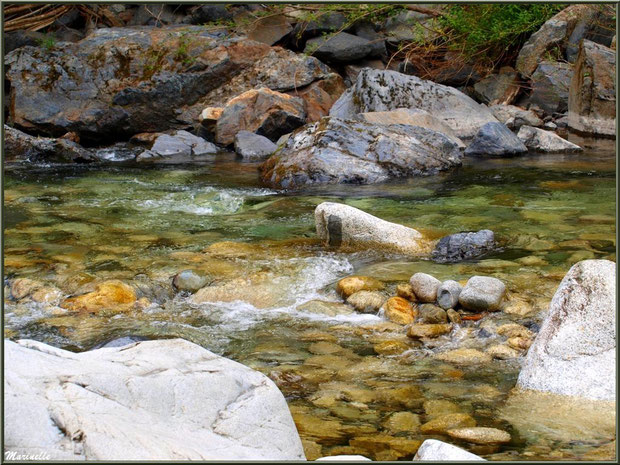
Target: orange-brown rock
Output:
{"points": [[320, 96], [352, 284], [114, 295], [399, 311]]}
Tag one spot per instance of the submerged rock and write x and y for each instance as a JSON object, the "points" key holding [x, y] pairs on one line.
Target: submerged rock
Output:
{"points": [[253, 146], [170, 400], [480, 435], [575, 351], [431, 314], [495, 139], [339, 225], [545, 141], [322, 307], [433, 450], [442, 423], [463, 246], [352, 284], [418, 331], [383, 90], [189, 280], [335, 150], [367, 301], [113, 296]]}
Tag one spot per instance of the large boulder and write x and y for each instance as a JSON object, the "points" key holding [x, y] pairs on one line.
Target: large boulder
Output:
{"points": [[514, 117], [262, 111], [496, 140], [434, 450], [121, 81], [252, 146], [592, 96], [180, 146], [335, 150], [464, 246], [500, 88], [339, 225], [550, 84], [545, 141], [339, 48], [384, 90], [154, 400], [574, 352], [21, 147]]}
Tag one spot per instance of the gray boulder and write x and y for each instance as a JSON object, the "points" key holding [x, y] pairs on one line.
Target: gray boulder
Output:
{"points": [[253, 146], [339, 48], [592, 96], [545, 141], [496, 140], [550, 33], [500, 88], [482, 294], [22, 147], [514, 117], [339, 225], [153, 400], [448, 294], [550, 85], [178, 147], [463, 246], [425, 286], [334, 150], [433, 450], [383, 90], [574, 353]]}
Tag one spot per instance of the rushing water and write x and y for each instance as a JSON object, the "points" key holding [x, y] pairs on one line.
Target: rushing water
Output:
{"points": [[70, 226]]}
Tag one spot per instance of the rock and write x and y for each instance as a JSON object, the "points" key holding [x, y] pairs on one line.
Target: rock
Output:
{"points": [[113, 296], [514, 330], [339, 48], [463, 246], [384, 90], [498, 89], [514, 117], [574, 352], [410, 117], [439, 451], [366, 301], [325, 308], [482, 294], [269, 29], [503, 352], [20, 38], [448, 294], [519, 343], [592, 95], [210, 13], [121, 81], [352, 284], [399, 310], [595, 23], [194, 404], [425, 287], [180, 146], [335, 150], [385, 447], [366, 30], [344, 458], [431, 314], [545, 141], [480, 435], [464, 357], [21, 147], [454, 316], [325, 23], [550, 85], [262, 111], [189, 280], [495, 139], [405, 291], [443, 423], [339, 225], [23, 287], [418, 331], [320, 96], [391, 347], [437, 407], [252, 146], [208, 120], [402, 422]]}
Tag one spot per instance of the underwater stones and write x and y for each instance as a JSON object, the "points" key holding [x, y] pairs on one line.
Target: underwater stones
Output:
{"points": [[448, 294], [23, 287], [113, 295], [480, 435], [495, 139], [502, 352], [454, 316], [425, 287], [384, 90], [463, 246], [439, 451], [253, 146], [482, 293], [464, 357], [366, 301], [437, 407], [442, 423], [394, 347], [189, 280], [322, 307], [352, 284], [339, 225], [431, 314], [345, 151], [419, 331], [399, 311], [545, 141]]}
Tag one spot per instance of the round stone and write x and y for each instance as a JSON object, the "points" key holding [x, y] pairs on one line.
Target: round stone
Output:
{"points": [[425, 287]]}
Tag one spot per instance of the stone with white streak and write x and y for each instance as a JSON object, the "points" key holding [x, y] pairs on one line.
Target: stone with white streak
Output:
{"points": [[154, 400]]}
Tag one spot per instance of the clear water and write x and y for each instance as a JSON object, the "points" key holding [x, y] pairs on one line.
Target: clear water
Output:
{"points": [[68, 226]]}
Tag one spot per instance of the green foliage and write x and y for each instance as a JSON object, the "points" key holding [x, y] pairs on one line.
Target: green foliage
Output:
{"points": [[48, 42], [489, 31]]}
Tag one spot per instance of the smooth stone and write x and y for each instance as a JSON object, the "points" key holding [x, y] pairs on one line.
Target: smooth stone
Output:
{"points": [[339, 225], [324, 348], [189, 280], [448, 294], [495, 139], [352, 284], [113, 296], [454, 316], [519, 342], [463, 246], [399, 310], [252, 146], [545, 141], [439, 451], [514, 330], [422, 331], [401, 422], [437, 407], [480, 435], [574, 351], [367, 301], [391, 347], [482, 293], [425, 287], [443, 423], [431, 314], [464, 357], [170, 399], [503, 352]]}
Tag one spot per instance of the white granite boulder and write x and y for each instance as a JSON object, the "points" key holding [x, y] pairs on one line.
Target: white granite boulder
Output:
{"points": [[433, 450]]}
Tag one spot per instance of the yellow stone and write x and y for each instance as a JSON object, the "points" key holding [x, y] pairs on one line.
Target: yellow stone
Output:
{"points": [[399, 310]]}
